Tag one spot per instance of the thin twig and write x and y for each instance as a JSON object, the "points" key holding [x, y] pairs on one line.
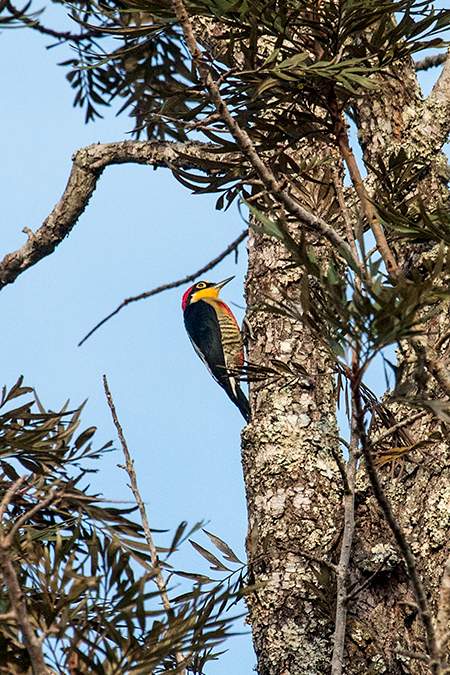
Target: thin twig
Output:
{"points": [[399, 534], [342, 468], [337, 660], [67, 36], [398, 425], [7, 615], [6, 541], [341, 134], [244, 143], [344, 211], [129, 467], [367, 582], [15, 487], [195, 126], [413, 655], [174, 284]]}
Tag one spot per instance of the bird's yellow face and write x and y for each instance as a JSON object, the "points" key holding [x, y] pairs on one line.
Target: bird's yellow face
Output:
{"points": [[203, 289]]}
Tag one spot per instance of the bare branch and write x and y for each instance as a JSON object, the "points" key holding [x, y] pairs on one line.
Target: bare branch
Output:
{"points": [[400, 537], [435, 120], [6, 541], [413, 655], [341, 134], [244, 143], [17, 599], [88, 165], [15, 487], [430, 62], [356, 591], [7, 616], [342, 469], [338, 186], [398, 425], [66, 36], [337, 660], [129, 467], [174, 284]]}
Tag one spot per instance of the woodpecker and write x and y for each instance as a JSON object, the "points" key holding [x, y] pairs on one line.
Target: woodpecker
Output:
{"points": [[215, 335]]}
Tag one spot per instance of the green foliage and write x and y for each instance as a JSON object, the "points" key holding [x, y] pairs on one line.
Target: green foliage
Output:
{"points": [[284, 67], [287, 57], [83, 565], [359, 311]]}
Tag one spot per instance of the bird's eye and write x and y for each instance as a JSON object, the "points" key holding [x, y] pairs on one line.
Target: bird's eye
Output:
{"points": [[201, 284]]}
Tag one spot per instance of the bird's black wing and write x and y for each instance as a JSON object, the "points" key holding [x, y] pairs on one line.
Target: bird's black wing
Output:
{"points": [[203, 328]]}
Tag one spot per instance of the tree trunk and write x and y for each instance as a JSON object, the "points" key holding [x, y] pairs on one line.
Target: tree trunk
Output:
{"points": [[294, 489], [294, 492]]}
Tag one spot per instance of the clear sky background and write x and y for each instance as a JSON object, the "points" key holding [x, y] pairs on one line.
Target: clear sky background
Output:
{"points": [[140, 230]]}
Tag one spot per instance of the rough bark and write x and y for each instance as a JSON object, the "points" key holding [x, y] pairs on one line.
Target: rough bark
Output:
{"points": [[294, 490], [384, 630]]}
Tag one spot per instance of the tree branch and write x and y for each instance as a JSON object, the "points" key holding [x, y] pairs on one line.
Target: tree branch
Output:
{"points": [[129, 467], [88, 165], [338, 186], [31, 641], [6, 541], [244, 143], [341, 134], [337, 660], [174, 284], [356, 591], [443, 611], [430, 62], [402, 543], [9, 495], [66, 36], [398, 425], [435, 120]]}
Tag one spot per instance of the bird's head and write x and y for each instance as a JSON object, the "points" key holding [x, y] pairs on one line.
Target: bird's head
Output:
{"points": [[202, 289]]}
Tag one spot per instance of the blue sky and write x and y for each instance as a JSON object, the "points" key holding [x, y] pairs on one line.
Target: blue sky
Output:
{"points": [[141, 229]]}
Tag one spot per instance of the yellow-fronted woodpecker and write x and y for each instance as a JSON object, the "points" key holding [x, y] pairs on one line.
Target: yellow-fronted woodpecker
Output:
{"points": [[215, 335]]}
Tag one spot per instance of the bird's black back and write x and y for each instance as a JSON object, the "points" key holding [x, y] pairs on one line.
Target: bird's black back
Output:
{"points": [[202, 326]]}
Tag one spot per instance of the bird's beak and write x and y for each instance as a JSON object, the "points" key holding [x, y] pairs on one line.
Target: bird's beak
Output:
{"points": [[221, 284]]}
